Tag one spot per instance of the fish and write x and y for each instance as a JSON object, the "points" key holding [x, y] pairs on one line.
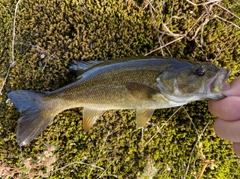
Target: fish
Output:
{"points": [[140, 83]]}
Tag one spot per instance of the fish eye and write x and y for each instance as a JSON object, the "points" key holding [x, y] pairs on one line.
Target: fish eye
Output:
{"points": [[199, 72]]}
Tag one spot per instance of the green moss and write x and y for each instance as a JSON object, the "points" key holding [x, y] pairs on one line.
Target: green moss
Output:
{"points": [[50, 34]]}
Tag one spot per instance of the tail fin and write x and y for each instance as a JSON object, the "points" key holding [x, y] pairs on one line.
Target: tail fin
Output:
{"points": [[36, 115]]}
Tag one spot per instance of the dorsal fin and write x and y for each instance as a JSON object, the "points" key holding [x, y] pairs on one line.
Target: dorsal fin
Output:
{"points": [[79, 67]]}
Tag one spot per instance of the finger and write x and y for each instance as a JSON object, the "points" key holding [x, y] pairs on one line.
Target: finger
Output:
{"points": [[227, 108], [236, 148], [228, 130], [233, 88]]}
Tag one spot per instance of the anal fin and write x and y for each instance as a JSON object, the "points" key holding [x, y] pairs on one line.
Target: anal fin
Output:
{"points": [[90, 116], [143, 116]]}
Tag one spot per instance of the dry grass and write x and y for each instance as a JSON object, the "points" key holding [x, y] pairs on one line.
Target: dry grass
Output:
{"points": [[200, 22]]}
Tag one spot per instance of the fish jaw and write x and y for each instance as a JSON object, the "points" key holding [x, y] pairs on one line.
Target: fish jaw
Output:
{"points": [[214, 85]]}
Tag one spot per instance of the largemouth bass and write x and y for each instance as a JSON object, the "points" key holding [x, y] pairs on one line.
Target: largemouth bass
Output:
{"points": [[144, 84]]}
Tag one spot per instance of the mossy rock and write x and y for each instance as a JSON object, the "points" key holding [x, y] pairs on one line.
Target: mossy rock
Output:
{"points": [[51, 34]]}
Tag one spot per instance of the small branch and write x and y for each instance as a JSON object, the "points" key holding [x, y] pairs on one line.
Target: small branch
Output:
{"points": [[5, 79], [107, 169], [199, 137], [228, 11], [169, 43], [205, 16], [206, 163], [204, 3], [82, 163], [14, 30], [218, 17], [104, 143], [159, 128], [12, 61]]}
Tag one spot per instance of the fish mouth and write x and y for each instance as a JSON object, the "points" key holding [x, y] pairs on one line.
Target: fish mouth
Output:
{"points": [[216, 83]]}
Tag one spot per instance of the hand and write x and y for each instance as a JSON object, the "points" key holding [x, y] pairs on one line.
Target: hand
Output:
{"points": [[227, 126]]}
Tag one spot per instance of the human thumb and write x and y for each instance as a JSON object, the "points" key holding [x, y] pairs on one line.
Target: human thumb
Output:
{"points": [[233, 88]]}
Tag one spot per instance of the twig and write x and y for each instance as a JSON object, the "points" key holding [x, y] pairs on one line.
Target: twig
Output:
{"points": [[149, 4], [206, 163], [5, 79], [4, 7], [12, 61], [48, 56], [205, 15], [179, 38], [204, 3], [218, 17], [107, 169], [228, 11], [191, 120], [199, 137], [155, 27], [14, 30], [159, 128], [104, 143], [83, 163]]}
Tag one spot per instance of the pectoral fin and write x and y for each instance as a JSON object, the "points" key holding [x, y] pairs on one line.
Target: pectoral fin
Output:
{"points": [[143, 116], [141, 91], [160, 97], [90, 116]]}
